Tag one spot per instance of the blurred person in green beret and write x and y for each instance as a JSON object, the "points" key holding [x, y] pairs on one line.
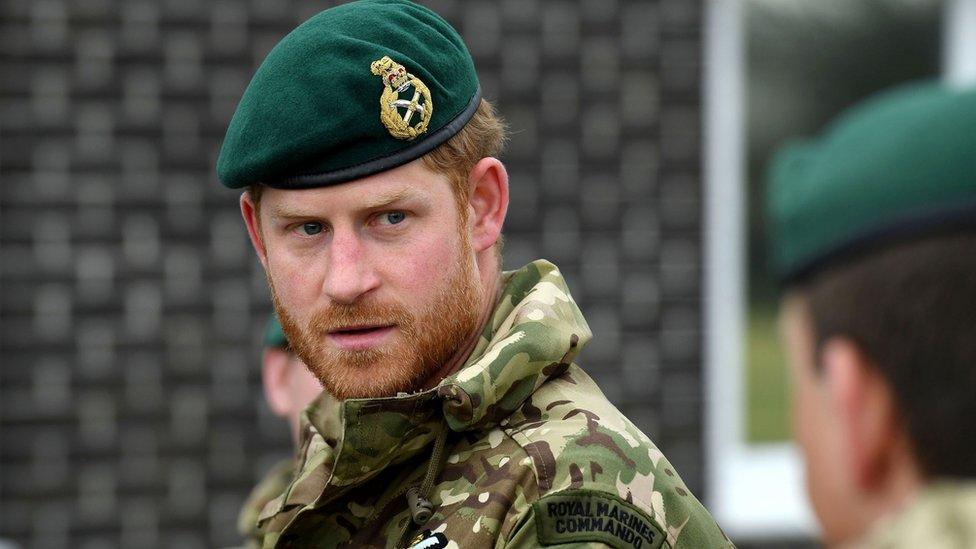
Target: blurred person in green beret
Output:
{"points": [[288, 388], [454, 414], [873, 234]]}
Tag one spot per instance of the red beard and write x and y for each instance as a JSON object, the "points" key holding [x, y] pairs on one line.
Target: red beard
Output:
{"points": [[424, 340]]}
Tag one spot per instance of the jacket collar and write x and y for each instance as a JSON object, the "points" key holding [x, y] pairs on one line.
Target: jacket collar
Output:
{"points": [[536, 331]]}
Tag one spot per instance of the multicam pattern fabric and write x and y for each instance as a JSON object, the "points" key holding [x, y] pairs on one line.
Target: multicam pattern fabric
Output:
{"points": [[943, 516], [523, 421]]}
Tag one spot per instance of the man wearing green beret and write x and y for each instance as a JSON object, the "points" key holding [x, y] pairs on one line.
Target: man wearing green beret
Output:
{"points": [[874, 237], [454, 414], [288, 388]]}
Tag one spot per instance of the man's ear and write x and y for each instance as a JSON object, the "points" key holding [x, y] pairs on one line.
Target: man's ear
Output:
{"points": [[488, 184], [866, 411], [274, 370], [250, 214]]}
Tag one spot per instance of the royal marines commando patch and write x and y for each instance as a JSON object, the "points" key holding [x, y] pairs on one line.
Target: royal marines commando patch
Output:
{"points": [[585, 515]]}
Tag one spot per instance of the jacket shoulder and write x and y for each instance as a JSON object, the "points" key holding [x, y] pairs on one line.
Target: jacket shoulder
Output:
{"points": [[585, 454]]}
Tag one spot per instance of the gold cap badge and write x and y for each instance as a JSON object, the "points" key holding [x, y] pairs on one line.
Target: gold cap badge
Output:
{"points": [[396, 113]]}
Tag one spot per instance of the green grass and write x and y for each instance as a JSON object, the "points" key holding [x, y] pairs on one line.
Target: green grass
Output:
{"points": [[767, 382]]}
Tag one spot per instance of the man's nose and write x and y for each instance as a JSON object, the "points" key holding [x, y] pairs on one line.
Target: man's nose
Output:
{"points": [[348, 273]]}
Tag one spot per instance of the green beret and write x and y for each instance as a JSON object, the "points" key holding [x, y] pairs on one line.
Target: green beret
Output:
{"points": [[274, 336], [355, 90], [900, 165]]}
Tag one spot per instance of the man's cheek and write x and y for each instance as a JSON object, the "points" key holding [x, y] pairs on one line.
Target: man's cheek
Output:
{"points": [[295, 287], [429, 265]]}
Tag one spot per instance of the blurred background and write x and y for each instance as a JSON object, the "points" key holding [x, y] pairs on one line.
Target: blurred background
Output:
{"points": [[777, 71], [807, 62], [131, 411]]}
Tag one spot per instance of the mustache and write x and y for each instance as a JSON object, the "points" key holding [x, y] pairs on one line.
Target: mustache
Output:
{"points": [[345, 316]]}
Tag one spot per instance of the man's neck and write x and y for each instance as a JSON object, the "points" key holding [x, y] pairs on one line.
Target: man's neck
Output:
{"points": [[902, 485], [897, 491]]}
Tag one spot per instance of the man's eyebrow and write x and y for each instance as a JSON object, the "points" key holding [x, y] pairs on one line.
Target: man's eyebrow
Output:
{"points": [[374, 202], [283, 212], [383, 200]]}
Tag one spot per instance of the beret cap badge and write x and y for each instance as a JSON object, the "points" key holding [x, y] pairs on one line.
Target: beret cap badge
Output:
{"points": [[396, 113]]}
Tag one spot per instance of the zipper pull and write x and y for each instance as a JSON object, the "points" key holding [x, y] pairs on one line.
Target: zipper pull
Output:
{"points": [[421, 509]]}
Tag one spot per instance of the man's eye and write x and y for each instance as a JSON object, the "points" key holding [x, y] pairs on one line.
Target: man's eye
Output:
{"points": [[393, 217], [311, 228]]}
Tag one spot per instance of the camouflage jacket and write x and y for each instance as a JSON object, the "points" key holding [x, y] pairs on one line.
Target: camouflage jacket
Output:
{"points": [[943, 516], [275, 481], [518, 448]]}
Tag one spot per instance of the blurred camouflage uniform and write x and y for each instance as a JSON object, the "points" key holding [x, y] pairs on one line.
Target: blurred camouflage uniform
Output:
{"points": [[271, 486], [278, 477], [519, 448], [943, 515]]}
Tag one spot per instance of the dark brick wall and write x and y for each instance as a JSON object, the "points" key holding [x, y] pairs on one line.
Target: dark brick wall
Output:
{"points": [[131, 302]]}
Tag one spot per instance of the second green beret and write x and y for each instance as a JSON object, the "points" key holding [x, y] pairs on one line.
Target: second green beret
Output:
{"points": [[357, 89], [901, 164], [274, 336]]}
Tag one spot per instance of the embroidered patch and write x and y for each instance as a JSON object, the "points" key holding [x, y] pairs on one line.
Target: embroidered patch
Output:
{"points": [[586, 515], [395, 113], [427, 540]]}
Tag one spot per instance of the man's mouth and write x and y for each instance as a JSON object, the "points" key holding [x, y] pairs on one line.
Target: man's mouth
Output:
{"points": [[359, 338], [354, 330]]}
